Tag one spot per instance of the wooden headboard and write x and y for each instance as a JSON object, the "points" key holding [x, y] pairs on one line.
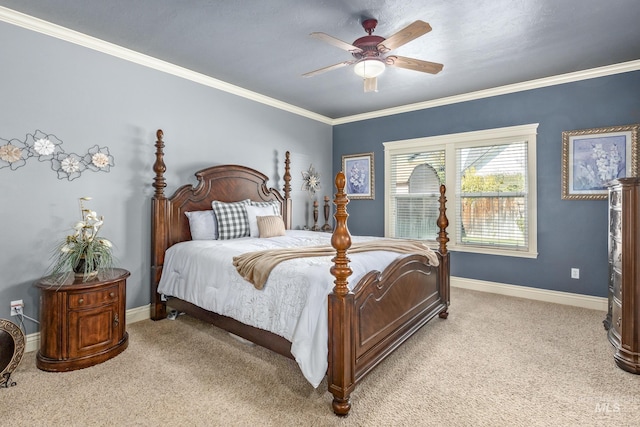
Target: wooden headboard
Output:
{"points": [[226, 183]]}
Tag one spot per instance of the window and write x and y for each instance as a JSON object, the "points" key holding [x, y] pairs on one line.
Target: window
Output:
{"points": [[491, 189]]}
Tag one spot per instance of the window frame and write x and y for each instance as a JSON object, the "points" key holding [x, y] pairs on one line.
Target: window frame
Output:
{"points": [[450, 143]]}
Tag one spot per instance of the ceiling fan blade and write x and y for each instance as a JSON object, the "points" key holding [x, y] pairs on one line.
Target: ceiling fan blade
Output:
{"points": [[329, 68], [336, 42], [411, 32], [414, 64], [371, 84]]}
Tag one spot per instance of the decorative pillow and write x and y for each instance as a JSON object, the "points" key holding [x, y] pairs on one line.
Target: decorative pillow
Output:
{"points": [[275, 204], [231, 219], [270, 226], [202, 225], [252, 213]]}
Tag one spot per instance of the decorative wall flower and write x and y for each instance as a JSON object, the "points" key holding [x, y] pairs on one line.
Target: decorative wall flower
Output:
{"points": [[44, 147], [311, 180], [10, 153], [68, 166], [47, 147], [98, 159]]}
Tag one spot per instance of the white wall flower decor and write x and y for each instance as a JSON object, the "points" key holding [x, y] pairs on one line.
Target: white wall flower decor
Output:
{"points": [[311, 180], [48, 148]]}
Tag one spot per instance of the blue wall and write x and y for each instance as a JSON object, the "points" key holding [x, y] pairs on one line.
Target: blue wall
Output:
{"points": [[85, 97], [571, 233]]}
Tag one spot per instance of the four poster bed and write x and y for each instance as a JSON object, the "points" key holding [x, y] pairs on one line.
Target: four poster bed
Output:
{"points": [[358, 324]]}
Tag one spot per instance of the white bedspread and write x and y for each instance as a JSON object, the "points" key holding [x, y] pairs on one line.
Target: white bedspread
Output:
{"points": [[293, 302]]}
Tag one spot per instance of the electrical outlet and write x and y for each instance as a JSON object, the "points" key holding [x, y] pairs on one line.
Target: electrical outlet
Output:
{"points": [[15, 305], [575, 273]]}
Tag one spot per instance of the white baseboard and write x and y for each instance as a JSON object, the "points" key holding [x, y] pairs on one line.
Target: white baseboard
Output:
{"points": [[565, 298], [138, 314], [32, 342]]}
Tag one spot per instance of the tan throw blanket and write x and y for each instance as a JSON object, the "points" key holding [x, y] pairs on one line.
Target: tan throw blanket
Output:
{"points": [[256, 266]]}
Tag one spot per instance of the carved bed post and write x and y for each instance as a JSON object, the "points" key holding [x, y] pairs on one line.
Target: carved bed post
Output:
{"points": [[341, 373], [159, 233], [287, 191], [444, 271], [443, 221]]}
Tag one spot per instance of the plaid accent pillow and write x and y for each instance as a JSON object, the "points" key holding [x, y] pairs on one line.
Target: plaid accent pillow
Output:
{"points": [[231, 219], [275, 204]]}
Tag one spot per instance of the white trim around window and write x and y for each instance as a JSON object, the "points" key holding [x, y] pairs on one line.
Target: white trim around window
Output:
{"points": [[450, 144]]}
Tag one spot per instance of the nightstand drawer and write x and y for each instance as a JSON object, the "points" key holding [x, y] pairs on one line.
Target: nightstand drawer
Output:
{"points": [[93, 298]]}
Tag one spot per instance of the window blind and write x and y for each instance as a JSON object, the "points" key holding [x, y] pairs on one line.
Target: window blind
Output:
{"points": [[491, 207], [413, 196]]}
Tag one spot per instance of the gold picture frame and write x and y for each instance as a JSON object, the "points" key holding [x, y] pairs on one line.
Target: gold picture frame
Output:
{"points": [[359, 174], [593, 157]]}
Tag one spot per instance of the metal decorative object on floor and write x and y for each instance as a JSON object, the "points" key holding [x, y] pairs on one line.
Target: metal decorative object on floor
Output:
{"points": [[12, 346]]}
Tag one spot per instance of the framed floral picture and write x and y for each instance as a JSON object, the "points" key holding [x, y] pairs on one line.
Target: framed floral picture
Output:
{"points": [[358, 170], [593, 157]]}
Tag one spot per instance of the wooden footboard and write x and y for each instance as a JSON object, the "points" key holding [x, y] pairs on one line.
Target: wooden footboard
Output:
{"points": [[384, 308]]}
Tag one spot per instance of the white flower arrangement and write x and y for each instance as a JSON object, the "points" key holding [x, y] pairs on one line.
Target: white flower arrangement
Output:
{"points": [[84, 251]]}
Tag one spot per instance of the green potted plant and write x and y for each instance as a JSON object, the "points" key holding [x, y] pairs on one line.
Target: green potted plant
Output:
{"points": [[84, 252]]}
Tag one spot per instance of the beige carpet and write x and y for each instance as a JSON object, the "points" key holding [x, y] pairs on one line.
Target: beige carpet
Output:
{"points": [[497, 361]]}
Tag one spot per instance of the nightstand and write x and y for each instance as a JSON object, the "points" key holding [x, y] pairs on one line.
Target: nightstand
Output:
{"points": [[81, 323]]}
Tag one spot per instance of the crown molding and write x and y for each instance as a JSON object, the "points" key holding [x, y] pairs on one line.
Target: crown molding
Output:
{"points": [[31, 23], [62, 33], [501, 90]]}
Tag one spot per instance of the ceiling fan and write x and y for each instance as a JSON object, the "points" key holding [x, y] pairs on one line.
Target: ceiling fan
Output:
{"points": [[370, 53]]}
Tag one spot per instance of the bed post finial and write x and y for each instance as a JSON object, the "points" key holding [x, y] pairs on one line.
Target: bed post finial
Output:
{"points": [[159, 167], [287, 175], [341, 372], [341, 239], [443, 221], [287, 190]]}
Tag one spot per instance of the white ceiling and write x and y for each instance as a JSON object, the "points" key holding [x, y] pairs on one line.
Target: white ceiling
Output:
{"points": [[264, 45]]}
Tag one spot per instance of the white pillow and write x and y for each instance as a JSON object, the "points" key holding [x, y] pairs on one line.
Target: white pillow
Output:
{"points": [[202, 225], [255, 211], [274, 203]]}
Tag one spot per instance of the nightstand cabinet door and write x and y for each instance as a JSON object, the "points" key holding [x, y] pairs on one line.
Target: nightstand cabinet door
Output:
{"points": [[83, 323], [623, 317], [93, 330]]}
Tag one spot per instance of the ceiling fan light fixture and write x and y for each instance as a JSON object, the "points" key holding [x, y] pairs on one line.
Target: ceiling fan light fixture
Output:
{"points": [[369, 68]]}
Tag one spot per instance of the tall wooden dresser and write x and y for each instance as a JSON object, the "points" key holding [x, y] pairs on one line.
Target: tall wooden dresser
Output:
{"points": [[623, 316]]}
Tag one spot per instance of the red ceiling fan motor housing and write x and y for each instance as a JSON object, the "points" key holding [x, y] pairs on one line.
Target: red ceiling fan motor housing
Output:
{"points": [[368, 43]]}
